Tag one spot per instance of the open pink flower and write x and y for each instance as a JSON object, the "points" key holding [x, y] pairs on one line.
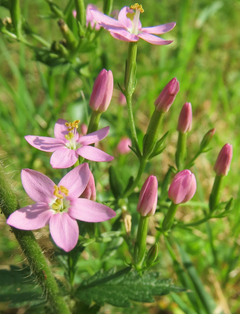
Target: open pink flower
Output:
{"points": [[68, 144], [58, 206], [128, 26]]}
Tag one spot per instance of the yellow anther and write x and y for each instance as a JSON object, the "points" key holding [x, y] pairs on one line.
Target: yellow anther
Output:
{"points": [[57, 204], [138, 7], [56, 193], [63, 190], [130, 15], [69, 136], [72, 125]]}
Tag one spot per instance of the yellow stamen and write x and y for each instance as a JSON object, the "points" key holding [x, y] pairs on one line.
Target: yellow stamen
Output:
{"points": [[72, 125], [56, 193], [63, 190], [57, 204], [138, 7], [130, 15], [69, 136]]}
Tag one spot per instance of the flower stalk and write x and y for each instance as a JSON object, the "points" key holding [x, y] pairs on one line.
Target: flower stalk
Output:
{"points": [[215, 193], [181, 150], [140, 245], [16, 17], [81, 12], [168, 220]]}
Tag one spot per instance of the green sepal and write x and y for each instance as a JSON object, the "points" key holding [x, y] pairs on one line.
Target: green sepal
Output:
{"points": [[152, 255], [136, 150], [81, 30], [130, 182], [116, 183], [55, 9], [159, 146], [229, 205]]}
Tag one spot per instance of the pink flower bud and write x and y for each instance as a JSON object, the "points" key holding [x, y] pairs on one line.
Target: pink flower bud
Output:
{"points": [[148, 197], [183, 187], [167, 96], [123, 146], [185, 118], [90, 191], [84, 129], [74, 12], [223, 162], [122, 100], [102, 91]]}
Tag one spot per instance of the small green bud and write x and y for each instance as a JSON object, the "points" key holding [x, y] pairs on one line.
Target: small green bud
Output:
{"points": [[152, 255]]}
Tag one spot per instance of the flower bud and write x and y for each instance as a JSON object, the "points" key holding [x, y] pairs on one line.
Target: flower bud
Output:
{"points": [[123, 146], [185, 118], [223, 162], [167, 96], [102, 91], [84, 129], [90, 191], [207, 139], [148, 197], [122, 100], [152, 255], [183, 187]]}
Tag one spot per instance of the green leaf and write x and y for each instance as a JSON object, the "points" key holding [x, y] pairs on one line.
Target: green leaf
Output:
{"points": [[117, 185], [119, 288], [19, 288]]}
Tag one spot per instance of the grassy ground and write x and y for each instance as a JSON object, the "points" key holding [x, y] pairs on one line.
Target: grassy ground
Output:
{"points": [[204, 58]]}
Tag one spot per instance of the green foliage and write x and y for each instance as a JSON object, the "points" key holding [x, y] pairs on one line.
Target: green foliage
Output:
{"points": [[19, 288], [119, 288]]}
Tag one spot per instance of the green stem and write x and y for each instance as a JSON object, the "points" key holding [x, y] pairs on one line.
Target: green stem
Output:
{"points": [[107, 6], [32, 251], [130, 83], [214, 196], [140, 245], [81, 13], [135, 182], [152, 133], [16, 17], [94, 121], [181, 150], [168, 220]]}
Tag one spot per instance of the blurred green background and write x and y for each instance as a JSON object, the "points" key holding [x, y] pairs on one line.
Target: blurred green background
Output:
{"points": [[204, 57]]}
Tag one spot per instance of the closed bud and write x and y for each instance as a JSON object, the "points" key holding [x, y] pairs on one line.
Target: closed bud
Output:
{"points": [[148, 197], [122, 99], [84, 129], [152, 255], [207, 138], [185, 118], [102, 91], [90, 190], [167, 96], [123, 146], [223, 162], [183, 187]]}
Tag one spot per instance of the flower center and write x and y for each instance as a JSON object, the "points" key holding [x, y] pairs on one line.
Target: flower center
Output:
{"points": [[72, 131], [134, 17], [61, 204]]}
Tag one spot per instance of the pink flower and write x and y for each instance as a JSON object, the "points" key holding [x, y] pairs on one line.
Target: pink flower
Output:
{"points": [[68, 144], [148, 197], [223, 162], [89, 17], [58, 206], [123, 146], [102, 91], [185, 118], [84, 129], [128, 26], [167, 96], [90, 190], [183, 187]]}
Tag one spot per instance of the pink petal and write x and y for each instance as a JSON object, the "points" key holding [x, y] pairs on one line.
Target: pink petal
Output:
{"points": [[122, 34], [160, 29], [63, 158], [31, 217], [64, 231], [89, 211], [104, 20], [154, 39], [38, 186], [93, 153], [94, 137], [46, 144], [76, 180], [60, 129], [123, 19]]}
